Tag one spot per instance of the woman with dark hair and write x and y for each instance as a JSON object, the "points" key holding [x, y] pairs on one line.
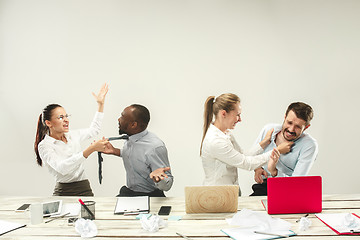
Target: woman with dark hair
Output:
{"points": [[221, 154], [59, 149]]}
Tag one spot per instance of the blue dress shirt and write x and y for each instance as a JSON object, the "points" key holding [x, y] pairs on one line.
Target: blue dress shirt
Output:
{"points": [[299, 160], [143, 153]]}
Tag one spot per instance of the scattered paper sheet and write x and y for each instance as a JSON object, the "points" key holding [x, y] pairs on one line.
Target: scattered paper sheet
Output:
{"points": [[249, 218], [251, 221], [72, 208], [249, 233], [6, 226]]}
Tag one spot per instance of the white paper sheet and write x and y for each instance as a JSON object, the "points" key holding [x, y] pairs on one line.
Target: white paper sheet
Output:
{"points": [[251, 221], [6, 226], [249, 233], [72, 208], [264, 222]]}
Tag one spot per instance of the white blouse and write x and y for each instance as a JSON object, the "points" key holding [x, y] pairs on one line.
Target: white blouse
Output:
{"points": [[65, 160], [221, 156]]}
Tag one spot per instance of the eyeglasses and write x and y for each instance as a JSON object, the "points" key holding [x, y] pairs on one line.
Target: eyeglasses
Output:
{"points": [[61, 117]]}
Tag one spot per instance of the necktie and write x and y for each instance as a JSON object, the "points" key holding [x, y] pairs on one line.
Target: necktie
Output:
{"points": [[100, 158]]}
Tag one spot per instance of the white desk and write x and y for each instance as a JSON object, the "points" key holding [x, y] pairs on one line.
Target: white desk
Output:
{"points": [[196, 226]]}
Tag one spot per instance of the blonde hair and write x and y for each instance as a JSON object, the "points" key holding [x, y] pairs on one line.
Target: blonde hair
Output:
{"points": [[225, 101]]}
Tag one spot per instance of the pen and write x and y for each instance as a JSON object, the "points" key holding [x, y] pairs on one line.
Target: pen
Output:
{"points": [[61, 216], [87, 209], [183, 236], [272, 234], [300, 218]]}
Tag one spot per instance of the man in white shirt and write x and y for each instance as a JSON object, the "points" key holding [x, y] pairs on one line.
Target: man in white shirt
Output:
{"points": [[300, 159], [144, 154]]}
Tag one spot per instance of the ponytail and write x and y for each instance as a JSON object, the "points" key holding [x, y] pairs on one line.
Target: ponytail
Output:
{"points": [[42, 129], [208, 116], [212, 106], [40, 134]]}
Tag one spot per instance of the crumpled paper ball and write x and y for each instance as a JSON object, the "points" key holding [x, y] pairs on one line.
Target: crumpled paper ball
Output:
{"points": [[153, 223], [263, 221], [350, 221], [86, 228], [304, 224]]}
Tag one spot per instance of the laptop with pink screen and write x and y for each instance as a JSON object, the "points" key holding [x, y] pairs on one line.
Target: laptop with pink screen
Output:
{"points": [[294, 195]]}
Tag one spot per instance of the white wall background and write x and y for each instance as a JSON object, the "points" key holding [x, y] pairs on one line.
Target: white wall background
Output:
{"points": [[169, 56]]}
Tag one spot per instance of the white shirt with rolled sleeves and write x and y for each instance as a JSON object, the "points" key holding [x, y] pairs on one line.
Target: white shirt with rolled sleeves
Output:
{"points": [[221, 156], [65, 160], [299, 160]]}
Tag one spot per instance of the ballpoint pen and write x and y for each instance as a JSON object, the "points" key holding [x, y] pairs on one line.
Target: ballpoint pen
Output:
{"points": [[272, 234], [61, 216], [183, 236], [300, 218]]}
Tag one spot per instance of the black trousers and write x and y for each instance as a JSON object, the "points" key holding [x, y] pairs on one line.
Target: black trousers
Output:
{"points": [[127, 192], [260, 189]]}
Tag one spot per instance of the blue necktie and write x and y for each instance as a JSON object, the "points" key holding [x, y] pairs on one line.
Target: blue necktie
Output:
{"points": [[100, 158]]}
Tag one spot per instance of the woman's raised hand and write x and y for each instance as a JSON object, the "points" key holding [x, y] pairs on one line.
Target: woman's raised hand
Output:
{"points": [[267, 139], [100, 97]]}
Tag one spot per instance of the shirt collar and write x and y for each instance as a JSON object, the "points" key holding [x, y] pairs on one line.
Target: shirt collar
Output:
{"points": [[136, 137], [49, 139], [277, 129], [219, 133]]}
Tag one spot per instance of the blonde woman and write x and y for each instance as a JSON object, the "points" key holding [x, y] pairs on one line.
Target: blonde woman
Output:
{"points": [[221, 154]]}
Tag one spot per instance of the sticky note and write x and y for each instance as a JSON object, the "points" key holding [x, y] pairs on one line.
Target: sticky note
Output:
{"points": [[175, 218], [147, 215]]}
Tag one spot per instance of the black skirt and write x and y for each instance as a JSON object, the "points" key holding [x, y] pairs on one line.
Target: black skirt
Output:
{"points": [[80, 188]]}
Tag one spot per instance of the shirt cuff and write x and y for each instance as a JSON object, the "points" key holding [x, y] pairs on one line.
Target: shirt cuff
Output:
{"points": [[121, 150], [80, 156], [99, 115], [267, 155], [164, 185], [258, 149]]}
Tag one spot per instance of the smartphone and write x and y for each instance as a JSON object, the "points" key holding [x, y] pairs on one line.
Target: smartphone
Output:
{"points": [[23, 208], [164, 210]]}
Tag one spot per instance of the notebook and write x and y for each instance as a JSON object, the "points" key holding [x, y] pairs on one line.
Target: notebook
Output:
{"points": [[132, 205], [211, 199], [294, 195]]}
